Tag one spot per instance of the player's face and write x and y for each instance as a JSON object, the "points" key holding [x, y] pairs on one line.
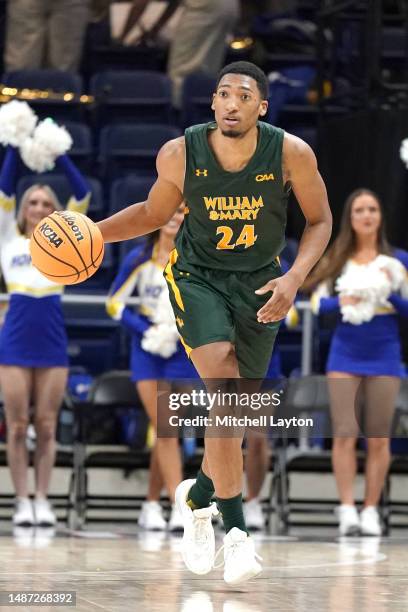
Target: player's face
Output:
{"points": [[38, 206], [365, 215], [172, 227], [237, 105]]}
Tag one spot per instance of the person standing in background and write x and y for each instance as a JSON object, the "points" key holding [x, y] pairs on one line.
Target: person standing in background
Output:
{"points": [[45, 34], [365, 351], [199, 44]]}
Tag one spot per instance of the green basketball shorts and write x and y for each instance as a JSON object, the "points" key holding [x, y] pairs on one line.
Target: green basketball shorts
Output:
{"points": [[218, 305]]}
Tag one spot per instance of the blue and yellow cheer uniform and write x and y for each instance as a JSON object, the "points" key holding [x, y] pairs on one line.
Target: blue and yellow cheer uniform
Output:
{"points": [[141, 276], [33, 334], [372, 348]]}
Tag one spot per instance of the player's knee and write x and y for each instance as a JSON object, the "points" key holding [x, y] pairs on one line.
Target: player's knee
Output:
{"points": [[17, 431]]}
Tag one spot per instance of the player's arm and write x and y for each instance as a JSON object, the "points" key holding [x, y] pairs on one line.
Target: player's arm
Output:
{"points": [[300, 168], [162, 202]]}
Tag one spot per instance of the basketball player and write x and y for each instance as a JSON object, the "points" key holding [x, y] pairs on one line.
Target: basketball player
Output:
{"points": [[235, 175]]}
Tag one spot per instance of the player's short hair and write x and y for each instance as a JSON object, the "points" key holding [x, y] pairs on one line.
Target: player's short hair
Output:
{"points": [[249, 69]]}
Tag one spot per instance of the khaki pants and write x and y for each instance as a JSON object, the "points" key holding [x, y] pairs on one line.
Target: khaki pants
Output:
{"points": [[45, 34], [199, 42]]}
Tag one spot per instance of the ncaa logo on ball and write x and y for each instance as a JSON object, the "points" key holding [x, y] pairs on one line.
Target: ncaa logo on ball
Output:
{"points": [[51, 235]]}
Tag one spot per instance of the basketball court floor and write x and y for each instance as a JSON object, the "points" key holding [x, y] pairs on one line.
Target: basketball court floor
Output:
{"points": [[126, 570]]}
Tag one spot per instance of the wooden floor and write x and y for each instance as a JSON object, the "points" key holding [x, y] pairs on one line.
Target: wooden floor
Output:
{"points": [[120, 571]]}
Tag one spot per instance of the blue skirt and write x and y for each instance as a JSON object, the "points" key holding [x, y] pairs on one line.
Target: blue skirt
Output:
{"points": [[146, 366], [369, 349], [33, 334]]}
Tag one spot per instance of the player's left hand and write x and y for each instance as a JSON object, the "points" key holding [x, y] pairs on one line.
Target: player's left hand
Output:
{"points": [[276, 308]]}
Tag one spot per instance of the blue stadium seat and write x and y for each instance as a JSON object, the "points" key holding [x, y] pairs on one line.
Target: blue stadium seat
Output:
{"points": [[308, 134], [60, 184], [56, 80], [129, 190], [82, 149], [127, 148], [196, 99], [132, 95]]}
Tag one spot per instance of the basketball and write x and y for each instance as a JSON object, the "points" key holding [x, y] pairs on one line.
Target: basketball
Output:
{"points": [[66, 247]]}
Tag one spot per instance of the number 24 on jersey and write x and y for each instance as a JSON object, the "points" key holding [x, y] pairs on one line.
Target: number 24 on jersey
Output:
{"points": [[246, 238]]}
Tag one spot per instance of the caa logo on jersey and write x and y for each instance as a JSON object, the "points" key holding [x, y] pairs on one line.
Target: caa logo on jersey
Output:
{"points": [[199, 172], [264, 177]]}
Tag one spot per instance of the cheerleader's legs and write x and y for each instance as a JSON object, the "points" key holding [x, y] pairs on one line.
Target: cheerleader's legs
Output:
{"points": [[167, 449], [49, 389], [156, 481], [343, 393], [16, 384], [380, 395]]}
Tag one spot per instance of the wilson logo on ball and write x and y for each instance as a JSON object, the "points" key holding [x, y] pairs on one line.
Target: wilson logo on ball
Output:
{"points": [[52, 236], [71, 221]]}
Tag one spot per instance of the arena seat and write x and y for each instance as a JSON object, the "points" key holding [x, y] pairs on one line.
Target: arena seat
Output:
{"points": [[112, 391], [82, 148], [58, 81], [127, 148], [196, 99], [132, 95], [129, 190], [60, 184]]}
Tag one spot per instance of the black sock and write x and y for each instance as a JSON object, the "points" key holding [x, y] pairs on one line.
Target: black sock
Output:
{"points": [[201, 492], [232, 513]]}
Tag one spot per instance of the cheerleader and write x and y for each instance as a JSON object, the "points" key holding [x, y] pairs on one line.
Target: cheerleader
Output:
{"points": [[156, 354], [33, 341], [365, 281]]}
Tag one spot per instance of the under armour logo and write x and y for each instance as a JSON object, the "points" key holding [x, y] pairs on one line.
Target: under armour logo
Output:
{"points": [[201, 172]]}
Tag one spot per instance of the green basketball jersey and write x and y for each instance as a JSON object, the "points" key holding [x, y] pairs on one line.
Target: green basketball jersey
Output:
{"points": [[234, 220]]}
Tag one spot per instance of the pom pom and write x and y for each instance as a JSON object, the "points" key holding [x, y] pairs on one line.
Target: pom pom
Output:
{"points": [[48, 142], [162, 337], [17, 122], [160, 340], [372, 284], [404, 151]]}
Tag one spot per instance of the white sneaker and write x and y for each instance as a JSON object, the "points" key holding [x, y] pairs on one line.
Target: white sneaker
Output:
{"points": [[175, 520], [151, 516], [198, 544], [23, 513], [370, 524], [44, 514], [349, 524], [240, 559], [254, 518]]}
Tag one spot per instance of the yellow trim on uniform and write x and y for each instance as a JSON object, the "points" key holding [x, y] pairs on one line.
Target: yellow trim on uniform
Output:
{"points": [[80, 206], [7, 203], [315, 303], [187, 348], [292, 318], [168, 272], [18, 288]]}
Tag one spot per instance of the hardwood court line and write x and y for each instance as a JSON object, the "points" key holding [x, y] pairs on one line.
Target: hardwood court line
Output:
{"points": [[367, 561]]}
